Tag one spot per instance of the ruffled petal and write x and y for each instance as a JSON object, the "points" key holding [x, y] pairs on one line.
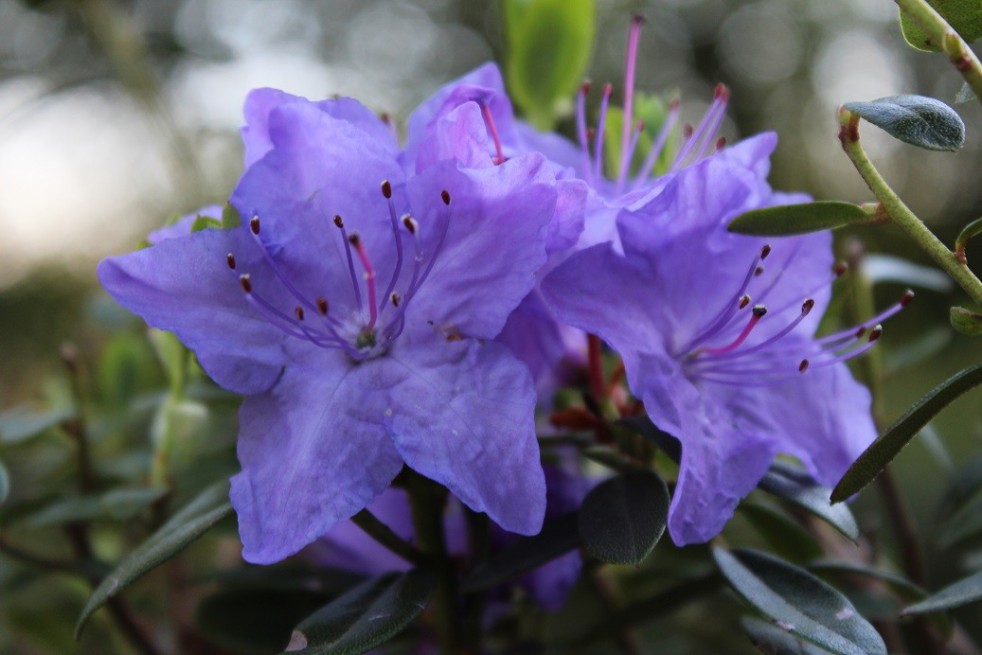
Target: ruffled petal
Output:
{"points": [[462, 414], [313, 453]]}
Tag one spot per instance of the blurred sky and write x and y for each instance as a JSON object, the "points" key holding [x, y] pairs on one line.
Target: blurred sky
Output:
{"points": [[114, 115]]}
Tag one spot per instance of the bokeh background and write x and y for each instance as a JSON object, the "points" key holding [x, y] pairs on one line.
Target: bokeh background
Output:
{"points": [[115, 115]]}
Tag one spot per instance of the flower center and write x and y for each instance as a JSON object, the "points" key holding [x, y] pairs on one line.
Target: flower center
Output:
{"points": [[375, 322], [727, 352]]}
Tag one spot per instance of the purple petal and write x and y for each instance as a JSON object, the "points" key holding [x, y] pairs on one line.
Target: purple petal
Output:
{"points": [[463, 414], [184, 285], [495, 243], [313, 453]]}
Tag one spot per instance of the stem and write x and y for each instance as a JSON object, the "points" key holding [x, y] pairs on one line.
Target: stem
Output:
{"points": [[385, 536], [899, 213], [596, 367], [943, 36], [427, 500]]}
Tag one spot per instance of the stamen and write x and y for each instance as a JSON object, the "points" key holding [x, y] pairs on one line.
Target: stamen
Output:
{"points": [[632, 56], [245, 282], [322, 306], [581, 130], [369, 276], [840, 268], [598, 145], [394, 221], [705, 133], [671, 119], [720, 143], [395, 299], [806, 309], [499, 157], [758, 313], [832, 340], [339, 222], [230, 260], [254, 224], [298, 312], [744, 301], [410, 223]]}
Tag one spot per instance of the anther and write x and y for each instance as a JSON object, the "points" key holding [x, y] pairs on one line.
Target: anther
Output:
{"points": [[861, 331], [803, 366], [906, 298], [254, 224], [765, 251], [759, 311], [446, 197], [591, 132], [608, 89], [758, 271], [245, 282], [410, 223], [298, 312], [395, 299], [322, 305], [585, 87], [840, 268], [687, 130], [354, 239], [230, 260], [338, 221], [720, 143], [806, 307], [744, 301], [722, 92], [386, 189], [875, 333]]}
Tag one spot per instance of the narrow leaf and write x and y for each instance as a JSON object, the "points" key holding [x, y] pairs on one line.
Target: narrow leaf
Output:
{"points": [[116, 505], [963, 524], [882, 451], [965, 16], [365, 617], [887, 268], [230, 216], [966, 321], [963, 592], [772, 639], [22, 423], [799, 219], [799, 602], [918, 120], [558, 537], [794, 485], [185, 527], [623, 518], [4, 483]]}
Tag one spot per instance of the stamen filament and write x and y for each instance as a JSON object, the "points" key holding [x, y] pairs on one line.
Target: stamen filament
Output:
{"points": [[632, 56], [493, 130], [351, 264], [598, 139], [671, 119], [366, 263], [758, 313]]}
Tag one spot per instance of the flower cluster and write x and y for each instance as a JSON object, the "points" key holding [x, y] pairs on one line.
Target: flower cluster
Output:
{"points": [[384, 305]]}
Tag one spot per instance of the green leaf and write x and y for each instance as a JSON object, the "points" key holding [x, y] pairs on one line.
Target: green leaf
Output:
{"points": [[966, 321], [115, 505], [23, 423], [185, 527], [899, 584], [4, 483], [205, 223], [623, 518], [965, 16], [794, 485], [882, 451], [964, 523], [548, 44], [918, 120], [963, 592], [799, 602], [558, 537], [799, 219], [881, 268], [230, 216], [773, 640], [365, 617], [784, 536]]}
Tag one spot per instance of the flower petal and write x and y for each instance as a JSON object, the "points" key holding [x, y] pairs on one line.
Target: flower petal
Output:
{"points": [[462, 414], [184, 285], [313, 453]]}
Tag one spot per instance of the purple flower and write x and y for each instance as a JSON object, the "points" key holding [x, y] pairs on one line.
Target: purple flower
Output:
{"points": [[354, 308], [184, 224], [715, 330]]}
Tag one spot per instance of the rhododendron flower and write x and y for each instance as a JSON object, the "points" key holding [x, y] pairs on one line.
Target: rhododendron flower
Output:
{"points": [[716, 333], [355, 307]]}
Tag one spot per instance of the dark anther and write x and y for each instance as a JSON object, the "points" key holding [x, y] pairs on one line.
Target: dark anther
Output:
{"points": [[298, 312], [803, 366], [875, 333], [861, 331], [840, 269], [585, 87], [230, 260], [246, 282], [354, 239], [386, 189], [322, 305], [687, 130], [759, 310], [446, 197], [338, 221], [765, 251], [721, 143], [395, 299], [608, 89], [590, 133], [744, 301], [906, 298], [254, 224], [410, 224], [758, 271], [807, 306]]}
